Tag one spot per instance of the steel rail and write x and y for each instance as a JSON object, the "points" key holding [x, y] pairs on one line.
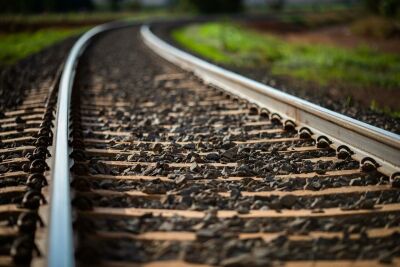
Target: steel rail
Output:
{"points": [[363, 139], [60, 245]]}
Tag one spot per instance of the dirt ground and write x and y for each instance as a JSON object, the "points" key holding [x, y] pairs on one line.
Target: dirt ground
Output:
{"points": [[343, 36], [337, 35]]}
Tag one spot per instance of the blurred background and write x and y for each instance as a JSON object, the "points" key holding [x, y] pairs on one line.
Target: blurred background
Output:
{"points": [[348, 49]]}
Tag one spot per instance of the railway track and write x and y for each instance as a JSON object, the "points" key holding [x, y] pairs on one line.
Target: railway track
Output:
{"points": [[152, 166], [26, 139]]}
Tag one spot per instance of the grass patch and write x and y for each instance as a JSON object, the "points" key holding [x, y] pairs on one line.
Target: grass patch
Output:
{"points": [[231, 44], [23, 35], [378, 108], [14, 47]]}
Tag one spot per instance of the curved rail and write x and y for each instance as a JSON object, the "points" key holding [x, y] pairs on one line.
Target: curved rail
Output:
{"points": [[60, 245], [365, 140]]}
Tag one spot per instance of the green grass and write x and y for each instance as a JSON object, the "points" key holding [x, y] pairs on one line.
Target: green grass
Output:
{"points": [[14, 47], [231, 44], [23, 35], [378, 108]]}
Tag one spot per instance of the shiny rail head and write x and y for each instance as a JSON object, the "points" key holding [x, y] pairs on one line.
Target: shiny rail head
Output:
{"points": [[60, 244], [363, 139]]}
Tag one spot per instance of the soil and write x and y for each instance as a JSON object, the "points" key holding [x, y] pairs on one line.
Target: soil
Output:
{"points": [[338, 35]]}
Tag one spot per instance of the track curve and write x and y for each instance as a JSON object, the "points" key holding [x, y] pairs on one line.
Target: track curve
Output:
{"points": [[153, 166]]}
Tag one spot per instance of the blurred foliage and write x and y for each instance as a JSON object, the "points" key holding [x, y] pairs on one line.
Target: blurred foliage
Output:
{"points": [[23, 35], [134, 6], [17, 46], [36, 6], [276, 5], [114, 5], [389, 8], [323, 64], [321, 18], [211, 6], [374, 105], [376, 27], [23, 22]]}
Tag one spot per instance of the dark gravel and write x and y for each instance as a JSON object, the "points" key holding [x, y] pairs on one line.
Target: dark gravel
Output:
{"points": [[20, 88], [228, 251], [166, 123]]}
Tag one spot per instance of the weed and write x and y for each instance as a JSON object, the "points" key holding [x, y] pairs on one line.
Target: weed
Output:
{"points": [[14, 47], [228, 43]]}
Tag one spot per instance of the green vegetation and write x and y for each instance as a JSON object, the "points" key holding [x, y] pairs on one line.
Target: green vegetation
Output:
{"points": [[23, 35], [374, 105], [231, 44], [14, 47]]}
